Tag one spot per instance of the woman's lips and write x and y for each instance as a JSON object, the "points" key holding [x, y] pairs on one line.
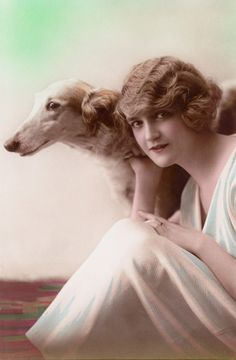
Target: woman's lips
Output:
{"points": [[158, 148]]}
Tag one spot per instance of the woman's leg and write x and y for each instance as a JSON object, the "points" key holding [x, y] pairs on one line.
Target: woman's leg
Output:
{"points": [[138, 295]]}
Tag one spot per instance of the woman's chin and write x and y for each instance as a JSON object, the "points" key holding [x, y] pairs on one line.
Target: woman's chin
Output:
{"points": [[163, 163]]}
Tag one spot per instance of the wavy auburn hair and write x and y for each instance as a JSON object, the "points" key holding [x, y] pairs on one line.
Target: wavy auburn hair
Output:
{"points": [[169, 84]]}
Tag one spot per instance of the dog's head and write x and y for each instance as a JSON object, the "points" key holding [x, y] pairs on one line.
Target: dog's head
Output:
{"points": [[100, 113], [56, 114], [98, 109], [72, 112]]}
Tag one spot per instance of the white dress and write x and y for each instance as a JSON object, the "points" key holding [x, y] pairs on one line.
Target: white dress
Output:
{"points": [[138, 295]]}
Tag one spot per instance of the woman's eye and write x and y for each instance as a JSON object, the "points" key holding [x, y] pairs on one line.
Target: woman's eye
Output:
{"points": [[163, 115], [52, 105], [136, 124]]}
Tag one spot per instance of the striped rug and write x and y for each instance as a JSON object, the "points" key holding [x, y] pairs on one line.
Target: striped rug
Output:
{"points": [[21, 304]]}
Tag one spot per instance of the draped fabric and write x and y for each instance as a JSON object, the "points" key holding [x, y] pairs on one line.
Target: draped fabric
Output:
{"points": [[139, 295], [221, 218]]}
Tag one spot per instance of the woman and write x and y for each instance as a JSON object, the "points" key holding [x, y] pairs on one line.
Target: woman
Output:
{"points": [[157, 288]]}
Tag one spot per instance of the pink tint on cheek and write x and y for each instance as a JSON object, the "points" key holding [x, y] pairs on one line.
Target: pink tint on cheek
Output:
{"points": [[167, 131], [140, 139]]}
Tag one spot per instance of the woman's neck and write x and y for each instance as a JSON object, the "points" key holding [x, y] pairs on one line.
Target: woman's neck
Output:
{"points": [[207, 156]]}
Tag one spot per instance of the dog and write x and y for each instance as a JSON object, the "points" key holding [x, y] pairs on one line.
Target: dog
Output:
{"points": [[76, 114]]}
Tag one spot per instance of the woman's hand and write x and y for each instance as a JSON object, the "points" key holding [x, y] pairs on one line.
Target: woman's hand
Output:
{"points": [[147, 178], [205, 247], [188, 239], [146, 171], [145, 167]]}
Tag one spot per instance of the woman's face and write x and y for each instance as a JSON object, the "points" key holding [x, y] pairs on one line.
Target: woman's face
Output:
{"points": [[164, 138]]}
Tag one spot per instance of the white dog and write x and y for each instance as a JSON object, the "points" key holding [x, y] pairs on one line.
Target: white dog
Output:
{"points": [[71, 112]]}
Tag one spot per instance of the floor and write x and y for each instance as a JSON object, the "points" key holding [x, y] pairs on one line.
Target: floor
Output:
{"points": [[21, 304]]}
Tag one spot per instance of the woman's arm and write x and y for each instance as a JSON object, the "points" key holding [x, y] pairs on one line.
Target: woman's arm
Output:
{"points": [[175, 218], [147, 178], [219, 261], [205, 247], [222, 264]]}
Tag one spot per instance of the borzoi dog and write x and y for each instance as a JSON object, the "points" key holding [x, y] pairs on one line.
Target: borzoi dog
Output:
{"points": [[76, 114]]}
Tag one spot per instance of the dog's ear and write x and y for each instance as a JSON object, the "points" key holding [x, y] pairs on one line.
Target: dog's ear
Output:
{"points": [[98, 107]]}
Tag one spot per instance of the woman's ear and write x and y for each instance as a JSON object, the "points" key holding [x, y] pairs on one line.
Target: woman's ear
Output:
{"points": [[98, 108]]}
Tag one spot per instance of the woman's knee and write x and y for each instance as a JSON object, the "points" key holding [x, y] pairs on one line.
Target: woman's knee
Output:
{"points": [[133, 236]]}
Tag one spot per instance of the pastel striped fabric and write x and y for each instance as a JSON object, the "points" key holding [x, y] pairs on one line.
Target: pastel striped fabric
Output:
{"points": [[21, 304]]}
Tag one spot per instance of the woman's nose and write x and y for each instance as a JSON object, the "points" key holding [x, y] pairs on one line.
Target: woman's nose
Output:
{"points": [[151, 133]]}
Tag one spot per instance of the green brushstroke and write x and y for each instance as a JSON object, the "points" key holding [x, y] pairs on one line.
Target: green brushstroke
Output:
{"points": [[33, 26], [14, 338], [33, 315], [34, 34], [50, 287]]}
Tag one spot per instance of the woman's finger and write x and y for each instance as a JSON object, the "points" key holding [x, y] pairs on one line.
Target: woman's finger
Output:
{"points": [[150, 216], [160, 226], [161, 220], [153, 224], [146, 215]]}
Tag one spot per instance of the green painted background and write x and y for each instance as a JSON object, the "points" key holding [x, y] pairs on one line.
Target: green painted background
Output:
{"points": [[34, 34]]}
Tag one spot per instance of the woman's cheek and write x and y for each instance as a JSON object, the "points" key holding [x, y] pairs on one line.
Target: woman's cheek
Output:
{"points": [[135, 135], [139, 141]]}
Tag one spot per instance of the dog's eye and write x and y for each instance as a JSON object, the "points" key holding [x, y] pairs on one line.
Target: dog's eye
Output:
{"points": [[52, 105]]}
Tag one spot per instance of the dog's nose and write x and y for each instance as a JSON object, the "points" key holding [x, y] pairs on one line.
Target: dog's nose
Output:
{"points": [[12, 145]]}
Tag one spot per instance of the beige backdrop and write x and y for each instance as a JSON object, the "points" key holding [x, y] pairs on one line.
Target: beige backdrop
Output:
{"points": [[55, 205]]}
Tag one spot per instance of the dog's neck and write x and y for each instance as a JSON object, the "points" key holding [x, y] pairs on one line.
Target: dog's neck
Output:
{"points": [[104, 144]]}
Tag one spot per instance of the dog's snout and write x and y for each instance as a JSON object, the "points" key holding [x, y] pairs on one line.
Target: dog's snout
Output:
{"points": [[12, 145]]}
